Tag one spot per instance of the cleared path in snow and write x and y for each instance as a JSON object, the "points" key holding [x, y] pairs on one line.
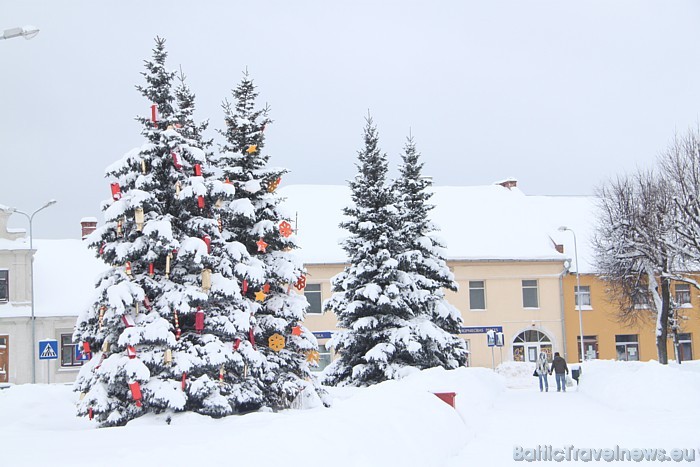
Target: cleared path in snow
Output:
{"points": [[528, 418]]}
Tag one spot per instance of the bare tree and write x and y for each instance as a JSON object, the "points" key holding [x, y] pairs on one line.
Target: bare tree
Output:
{"points": [[680, 165], [635, 252]]}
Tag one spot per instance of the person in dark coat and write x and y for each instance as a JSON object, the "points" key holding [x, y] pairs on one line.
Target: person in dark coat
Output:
{"points": [[560, 370]]}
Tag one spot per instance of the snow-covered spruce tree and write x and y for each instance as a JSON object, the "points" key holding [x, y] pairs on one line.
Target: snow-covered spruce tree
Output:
{"points": [[161, 330], [436, 325], [377, 341], [252, 218]]}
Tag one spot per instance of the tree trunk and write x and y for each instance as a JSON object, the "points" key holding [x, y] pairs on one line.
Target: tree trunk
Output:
{"points": [[662, 322]]}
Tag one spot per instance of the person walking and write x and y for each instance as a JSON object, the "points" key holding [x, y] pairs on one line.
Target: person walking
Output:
{"points": [[561, 370], [541, 370]]}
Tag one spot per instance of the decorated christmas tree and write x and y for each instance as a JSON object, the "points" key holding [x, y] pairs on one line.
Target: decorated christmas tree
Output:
{"points": [[436, 325], [252, 217], [171, 328], [371, 295]]}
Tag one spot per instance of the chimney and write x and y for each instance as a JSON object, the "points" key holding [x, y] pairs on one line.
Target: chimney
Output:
{"points": [[88, 224], [509, 183]]}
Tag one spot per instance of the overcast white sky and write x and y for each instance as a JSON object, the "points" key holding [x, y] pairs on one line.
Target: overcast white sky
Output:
{"points": [[559, 94]]}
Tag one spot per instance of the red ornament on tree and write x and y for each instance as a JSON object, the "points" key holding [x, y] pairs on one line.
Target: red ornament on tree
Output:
{"points": [[301, 283], [198, 170], [266, 288], [285, 229], [199, 320], [236, 344], [90, 413], [251, 337], [262, 246], [177, 326], [147, 303], [175, 162], [207, 240], [184, 380], [128, 321], [296, 331], [131, 351], [116, 191], [200, 201], [244, 286], [102, 248], [136, 392]]}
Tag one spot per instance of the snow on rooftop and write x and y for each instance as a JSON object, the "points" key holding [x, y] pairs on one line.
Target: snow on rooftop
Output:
{"points": [[476, 223], [65, 272]]}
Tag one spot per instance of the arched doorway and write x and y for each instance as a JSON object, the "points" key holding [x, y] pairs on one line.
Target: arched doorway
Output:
{"points": [[528, 344]]}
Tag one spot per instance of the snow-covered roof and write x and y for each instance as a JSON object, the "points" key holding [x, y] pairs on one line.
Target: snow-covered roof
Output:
{"points": [[476, 223], [64, 278]]}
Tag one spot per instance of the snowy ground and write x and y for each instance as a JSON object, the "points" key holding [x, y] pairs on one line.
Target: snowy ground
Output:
{"points": [[631, 405]]}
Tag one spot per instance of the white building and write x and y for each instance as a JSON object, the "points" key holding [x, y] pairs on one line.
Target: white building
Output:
{"points": [[64, 274]]}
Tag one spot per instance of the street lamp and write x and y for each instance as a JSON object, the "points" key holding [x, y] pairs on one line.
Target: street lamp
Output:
{"points": [[30, 217], [577, 295], [28, 32]]}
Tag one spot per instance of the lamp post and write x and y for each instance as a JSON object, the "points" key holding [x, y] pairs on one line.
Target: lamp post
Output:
{"points": [[577, 295], [30, 217], [28, 32]]}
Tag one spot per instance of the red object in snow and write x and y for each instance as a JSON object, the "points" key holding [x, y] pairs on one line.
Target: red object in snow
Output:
{"points": [[131, 351], [116, 191], [197, 170], [296, 331], [102, 249], [301, 283], [251, 337], [200, 201], [90, 413], [236, 344], [285, 229], [136, 392], [447, 397], [184, 380], [150, 269], [175, 162], [266, 288], [86, 348], [199, 320], [207, 240], [154, 114], [244, 286], [128, 320]]}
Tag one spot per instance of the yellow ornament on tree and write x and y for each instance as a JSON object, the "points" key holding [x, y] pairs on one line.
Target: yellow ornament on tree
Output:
{"points": [[252, 148], [276, 342], [312, 356]]}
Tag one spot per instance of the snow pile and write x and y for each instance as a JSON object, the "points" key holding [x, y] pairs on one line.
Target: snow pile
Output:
{"points": [[518, 374], [393, 423], [646, 386]]}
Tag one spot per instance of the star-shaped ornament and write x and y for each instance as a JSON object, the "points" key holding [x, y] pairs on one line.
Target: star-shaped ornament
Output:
{"points": [[252, 148], [260, 296], [262, 246]]}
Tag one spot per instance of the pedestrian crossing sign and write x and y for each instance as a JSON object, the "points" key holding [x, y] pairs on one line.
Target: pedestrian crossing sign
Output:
{"points": [[48, 349]]}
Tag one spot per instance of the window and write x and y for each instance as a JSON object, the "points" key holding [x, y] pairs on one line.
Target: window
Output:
{"points": [[590, 347], [68, 351], [641, 300], [312, 292], [530, 294], [528, 345], [477, 295], [4, 285], [683, 295], [685, 346], [325, 360], [584, 295], [627, 346]]}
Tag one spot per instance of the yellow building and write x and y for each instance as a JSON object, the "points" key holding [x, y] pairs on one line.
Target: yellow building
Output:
{"points": [[604, 337], [502, 246]]}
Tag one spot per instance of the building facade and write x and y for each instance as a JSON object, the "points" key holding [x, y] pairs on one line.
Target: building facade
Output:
{"points": [[605, 337]]}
